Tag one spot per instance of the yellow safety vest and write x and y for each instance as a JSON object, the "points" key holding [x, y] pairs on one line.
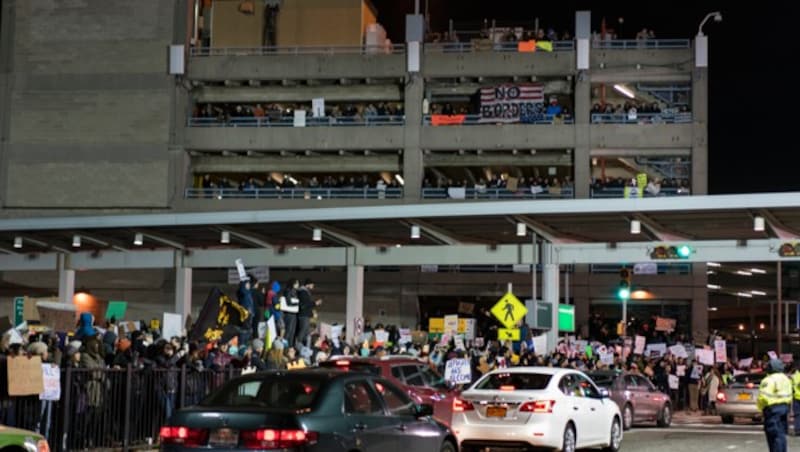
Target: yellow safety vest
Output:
{"points": [[796, 384], [775, 389]]}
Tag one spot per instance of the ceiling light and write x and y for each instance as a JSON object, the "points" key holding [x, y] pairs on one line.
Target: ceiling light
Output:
{"points": [[744, 294], [741, 327], [17, 242], [399, 179], [138, 239], [761, 326], [744, 273], [225, 237], [713, 264], [758, 224], [625, 90], [714, 286], [76, 241], [398, 245], [317, 235], [415, 232], [522, 230], [758, 292], [710, 272], [713, 308], [636, 227], [759, 271]]}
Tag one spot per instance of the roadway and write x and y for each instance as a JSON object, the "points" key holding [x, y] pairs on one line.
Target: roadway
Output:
{"points": [[700, 438]]}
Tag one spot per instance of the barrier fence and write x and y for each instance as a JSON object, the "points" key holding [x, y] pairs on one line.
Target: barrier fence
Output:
{"points": [[105, 409]]}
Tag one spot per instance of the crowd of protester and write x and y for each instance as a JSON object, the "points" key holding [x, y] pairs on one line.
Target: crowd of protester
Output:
{"points": [[654, 187], [226, 112], [287, 182]]}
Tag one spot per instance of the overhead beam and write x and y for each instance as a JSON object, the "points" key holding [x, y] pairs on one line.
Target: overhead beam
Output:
{"points": [[437, 233], [781, 230], [101, 241], [659, 231], [40, 243], [160, 238], [247, 237]]}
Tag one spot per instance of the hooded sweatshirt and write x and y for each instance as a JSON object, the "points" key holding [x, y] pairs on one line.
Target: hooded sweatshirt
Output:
{"points": [[85, 328]]}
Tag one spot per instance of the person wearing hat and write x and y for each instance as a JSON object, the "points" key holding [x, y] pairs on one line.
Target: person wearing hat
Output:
{"points": [[774, 399]]}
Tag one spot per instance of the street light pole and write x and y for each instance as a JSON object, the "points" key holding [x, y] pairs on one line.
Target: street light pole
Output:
{"points": [[717, 18]]}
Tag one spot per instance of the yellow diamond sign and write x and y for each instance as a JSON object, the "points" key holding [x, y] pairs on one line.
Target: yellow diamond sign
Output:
{"points": [[509, 310], [506, 334]]}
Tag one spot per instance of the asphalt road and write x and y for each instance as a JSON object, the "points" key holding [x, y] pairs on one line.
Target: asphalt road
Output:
{"points": [[700, 438]]}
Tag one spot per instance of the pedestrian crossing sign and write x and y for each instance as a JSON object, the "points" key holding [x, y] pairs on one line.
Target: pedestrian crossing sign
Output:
{"points": [[509, 310]]}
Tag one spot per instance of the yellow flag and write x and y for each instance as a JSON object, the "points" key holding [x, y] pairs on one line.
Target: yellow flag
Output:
{"points": [[547, 46]]}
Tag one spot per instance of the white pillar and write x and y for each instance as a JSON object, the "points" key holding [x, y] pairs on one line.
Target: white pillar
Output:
{"points": [[66, 281], [354, 310], [550, 296], [183, 292]]}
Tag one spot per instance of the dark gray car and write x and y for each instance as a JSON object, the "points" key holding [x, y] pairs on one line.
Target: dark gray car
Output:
{"points": [[637, 398], [310, 410]]}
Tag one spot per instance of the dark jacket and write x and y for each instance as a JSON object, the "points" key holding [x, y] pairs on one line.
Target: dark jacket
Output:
{"points": [[306, 303]]}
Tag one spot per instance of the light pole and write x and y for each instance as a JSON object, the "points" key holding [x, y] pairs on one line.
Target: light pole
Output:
{"points": [[701, 40], [717, 18]]}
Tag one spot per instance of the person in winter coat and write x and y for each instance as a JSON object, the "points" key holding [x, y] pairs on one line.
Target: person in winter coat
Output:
{"points": [[85, 327]]}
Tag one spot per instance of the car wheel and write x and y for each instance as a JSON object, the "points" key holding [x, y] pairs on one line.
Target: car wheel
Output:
{"points": [[665, 417], [615, 440], [727, 419], [568, 445], [447, 446], [627, 417]]}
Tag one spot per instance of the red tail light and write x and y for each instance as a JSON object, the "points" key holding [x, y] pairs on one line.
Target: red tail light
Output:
{"points": [[461, 405], [183, 435], [721, 397], [277, 439], [538, 406]]}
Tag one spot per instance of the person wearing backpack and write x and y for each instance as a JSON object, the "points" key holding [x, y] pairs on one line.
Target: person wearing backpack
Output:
{"points": [[290, 307]]}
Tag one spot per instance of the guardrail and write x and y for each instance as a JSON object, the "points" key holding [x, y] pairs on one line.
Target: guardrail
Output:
{"points": [[393, 49], [325, 121], [294, 193], [467, 47], [476, 119], [619, 192], [641, 118], [493, 193], [633, 44]]}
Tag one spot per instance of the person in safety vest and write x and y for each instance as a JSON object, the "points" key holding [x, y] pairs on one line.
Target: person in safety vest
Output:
{"points": [[774, 400], [796, 403]]}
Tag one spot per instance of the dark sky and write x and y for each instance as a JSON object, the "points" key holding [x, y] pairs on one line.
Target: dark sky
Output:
{"points": [[752, 86]]}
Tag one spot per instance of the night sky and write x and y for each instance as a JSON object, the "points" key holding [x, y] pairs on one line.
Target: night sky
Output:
{"points": [[753, 129]]}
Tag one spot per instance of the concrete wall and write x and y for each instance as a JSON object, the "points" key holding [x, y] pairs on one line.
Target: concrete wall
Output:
{"points": [[89, 103]]}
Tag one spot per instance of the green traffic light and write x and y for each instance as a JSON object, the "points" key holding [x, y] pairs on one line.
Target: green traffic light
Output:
{"points": [[624, 293], [684, 251]]}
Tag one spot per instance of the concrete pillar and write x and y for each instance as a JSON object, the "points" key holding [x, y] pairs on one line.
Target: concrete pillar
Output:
{"points": [[183, 292], [581, 156], [413, 165], [354, 310], [580, 294], [66, 280], [699, 180], [699, 321], [550, 295], [7, 27]]}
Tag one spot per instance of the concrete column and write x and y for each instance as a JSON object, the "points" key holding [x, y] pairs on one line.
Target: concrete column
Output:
{"points": [[550, 295], [699, 180], [7, 27], [580, 294], [66, 280], [354, 309], [582, 159], [183, 292], [413, 165], [699, 300]]}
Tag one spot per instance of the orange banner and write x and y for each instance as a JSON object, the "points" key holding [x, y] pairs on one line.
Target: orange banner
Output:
{"points": [[526, 46], [447, 120]]}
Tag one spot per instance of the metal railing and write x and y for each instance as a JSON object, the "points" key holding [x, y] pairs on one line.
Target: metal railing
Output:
{"points": [[393, 49], [476, 119], [679, 268], [641, 118], [642, 44], [325, 121], [103, 409], [294, 193], [467, 47], [495, 193], [619, 192]]}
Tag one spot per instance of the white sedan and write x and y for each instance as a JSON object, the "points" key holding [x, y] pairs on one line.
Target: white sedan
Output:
{"points": [[525, 407]]}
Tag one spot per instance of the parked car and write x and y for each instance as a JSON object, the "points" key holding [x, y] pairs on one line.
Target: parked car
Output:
{"points": [[738, 398], [18, 439], [422, 383], [541, 407], [636, 397], [311, 410]]}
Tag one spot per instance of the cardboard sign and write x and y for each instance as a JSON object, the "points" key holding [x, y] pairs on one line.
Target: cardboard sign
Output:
{"points": [[638, 348], [61, 317], [451, 324], [30, 313], [466, 308], [458, 371], [720, 351], [436, 325], [173, 326], [665, 324], [419, 337], [51, 377], [25, 376]]}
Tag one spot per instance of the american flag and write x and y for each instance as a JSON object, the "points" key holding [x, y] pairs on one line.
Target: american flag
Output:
{"points": [[530, 92]]}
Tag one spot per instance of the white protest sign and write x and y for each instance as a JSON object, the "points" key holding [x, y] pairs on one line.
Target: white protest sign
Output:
{"points": [[469, 329], [673, 382], [638, 348], [656, 350], [51, 375], [336, 333], [737, 372], [241, 270], [459, 342], [679, 351], [540, 344], [772, 355], [318, 107], [405, 336], [248, 370], [697, 371], [381, 336], [607, 358], [680, 370], [262, 330], [704, 356], [325, 330], [172, 326], [458, 371], [745, 363], [720, 351], [451, 324]]}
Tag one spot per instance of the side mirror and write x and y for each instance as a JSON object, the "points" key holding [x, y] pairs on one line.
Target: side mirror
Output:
{"points": [[424, 410], [604, 393]]}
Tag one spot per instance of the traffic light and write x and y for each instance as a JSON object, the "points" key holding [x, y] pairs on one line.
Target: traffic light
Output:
{"points": [[624, 286], [671, 252], [789, 250]]}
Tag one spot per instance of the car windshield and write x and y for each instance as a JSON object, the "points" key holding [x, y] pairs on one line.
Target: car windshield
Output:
{"points": [[285, 392], [513, 381], [602, 380], [746, 381]]}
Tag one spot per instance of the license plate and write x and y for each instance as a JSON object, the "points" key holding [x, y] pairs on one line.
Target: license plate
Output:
{"points": [[496, 411], [224, 437], [744, 396]]}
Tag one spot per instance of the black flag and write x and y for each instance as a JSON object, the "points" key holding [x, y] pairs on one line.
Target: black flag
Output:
{"points": [[220, 318]]}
